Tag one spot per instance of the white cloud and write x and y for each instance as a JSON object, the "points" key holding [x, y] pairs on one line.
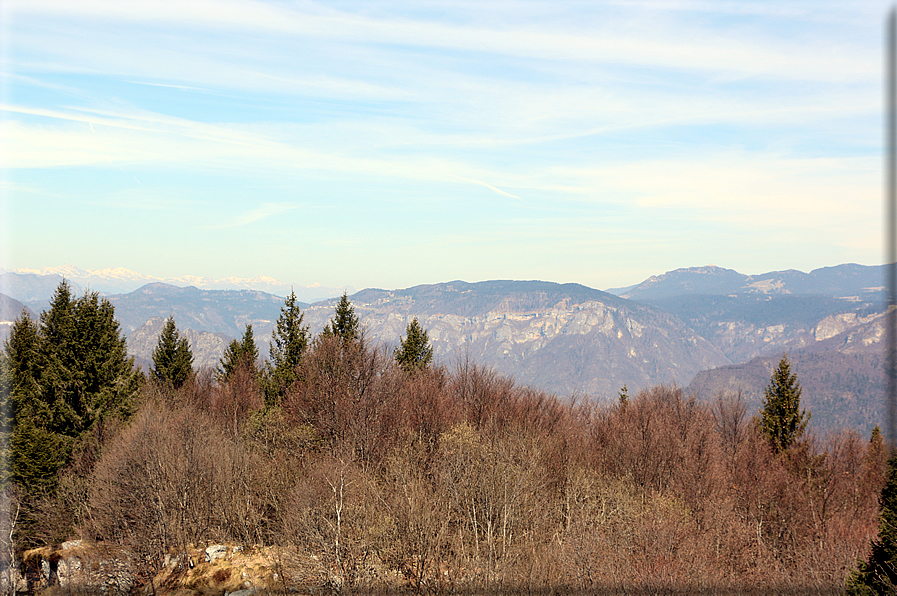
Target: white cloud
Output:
{"points": [[494, 189], [730, 185], [264, 211]]}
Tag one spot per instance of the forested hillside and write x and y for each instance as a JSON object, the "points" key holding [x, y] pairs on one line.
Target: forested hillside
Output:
{"points": [[364, 468]]}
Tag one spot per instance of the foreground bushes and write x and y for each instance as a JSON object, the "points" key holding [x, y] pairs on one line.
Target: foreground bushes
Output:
{"points": [[461, 479]]}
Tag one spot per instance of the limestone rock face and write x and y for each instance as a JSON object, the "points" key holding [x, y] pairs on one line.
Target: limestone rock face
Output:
{"points": [[865, 330], [563, 338]]}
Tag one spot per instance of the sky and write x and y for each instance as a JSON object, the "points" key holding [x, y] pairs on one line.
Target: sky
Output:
{"points": [[394, 143]]}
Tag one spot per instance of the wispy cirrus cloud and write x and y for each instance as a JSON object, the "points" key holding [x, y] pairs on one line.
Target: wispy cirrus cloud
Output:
{"points": [[672, 43], [494, 189], [261, 212]]}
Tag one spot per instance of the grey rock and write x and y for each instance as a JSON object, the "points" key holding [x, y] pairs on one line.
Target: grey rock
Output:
{"points": [[216, 551], [89, 570], [246, 592]]}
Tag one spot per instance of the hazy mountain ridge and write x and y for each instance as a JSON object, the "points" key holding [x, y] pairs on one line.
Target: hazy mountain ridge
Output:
{"points": [[747, 325], [563, 338], [10, 310], [118, 280], [216, 311], [846, 280], [32, 289], [839, 390], [465, 299], [834, 341]]}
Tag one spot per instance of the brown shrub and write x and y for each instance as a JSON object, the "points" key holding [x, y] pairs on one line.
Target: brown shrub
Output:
{"points": [[221, 575], [335, 510], [172, 477], [234, 400], [337, 393]]}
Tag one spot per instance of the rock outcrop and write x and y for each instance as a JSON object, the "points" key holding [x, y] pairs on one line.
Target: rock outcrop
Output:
{"points": [[78, 567]]}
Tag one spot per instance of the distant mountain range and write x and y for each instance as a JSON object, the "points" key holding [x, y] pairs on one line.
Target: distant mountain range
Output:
{"points": [[708, 328], [842, 281], [117, 280]]}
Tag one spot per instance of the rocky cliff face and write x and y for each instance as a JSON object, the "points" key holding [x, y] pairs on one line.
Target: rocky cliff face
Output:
{"points": [[562, 338], [745, 326], [741, 341]]}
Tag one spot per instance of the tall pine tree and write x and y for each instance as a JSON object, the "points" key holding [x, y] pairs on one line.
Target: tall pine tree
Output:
{"points": [[21, 371], [781, 419], [239, 353], [414, 352], [105, 378], [65, 375], [86, 373], [172, 358], [344, 323], [289, 341], [58, 361]]}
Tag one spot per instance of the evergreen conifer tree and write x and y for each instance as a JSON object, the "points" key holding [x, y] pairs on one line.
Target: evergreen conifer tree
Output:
{"points": [[64, 375], [172, 358], [344, 323], [86, 373], [105, 379], [243, 352], [781, 419], [21, 393], [414, 352], [23, 370], [230, 360], [58, 360], [250, 350], [878, 575], [289, 340]]}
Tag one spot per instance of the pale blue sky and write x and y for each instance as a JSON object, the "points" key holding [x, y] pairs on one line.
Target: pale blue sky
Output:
{"points": [[395, 143]]}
